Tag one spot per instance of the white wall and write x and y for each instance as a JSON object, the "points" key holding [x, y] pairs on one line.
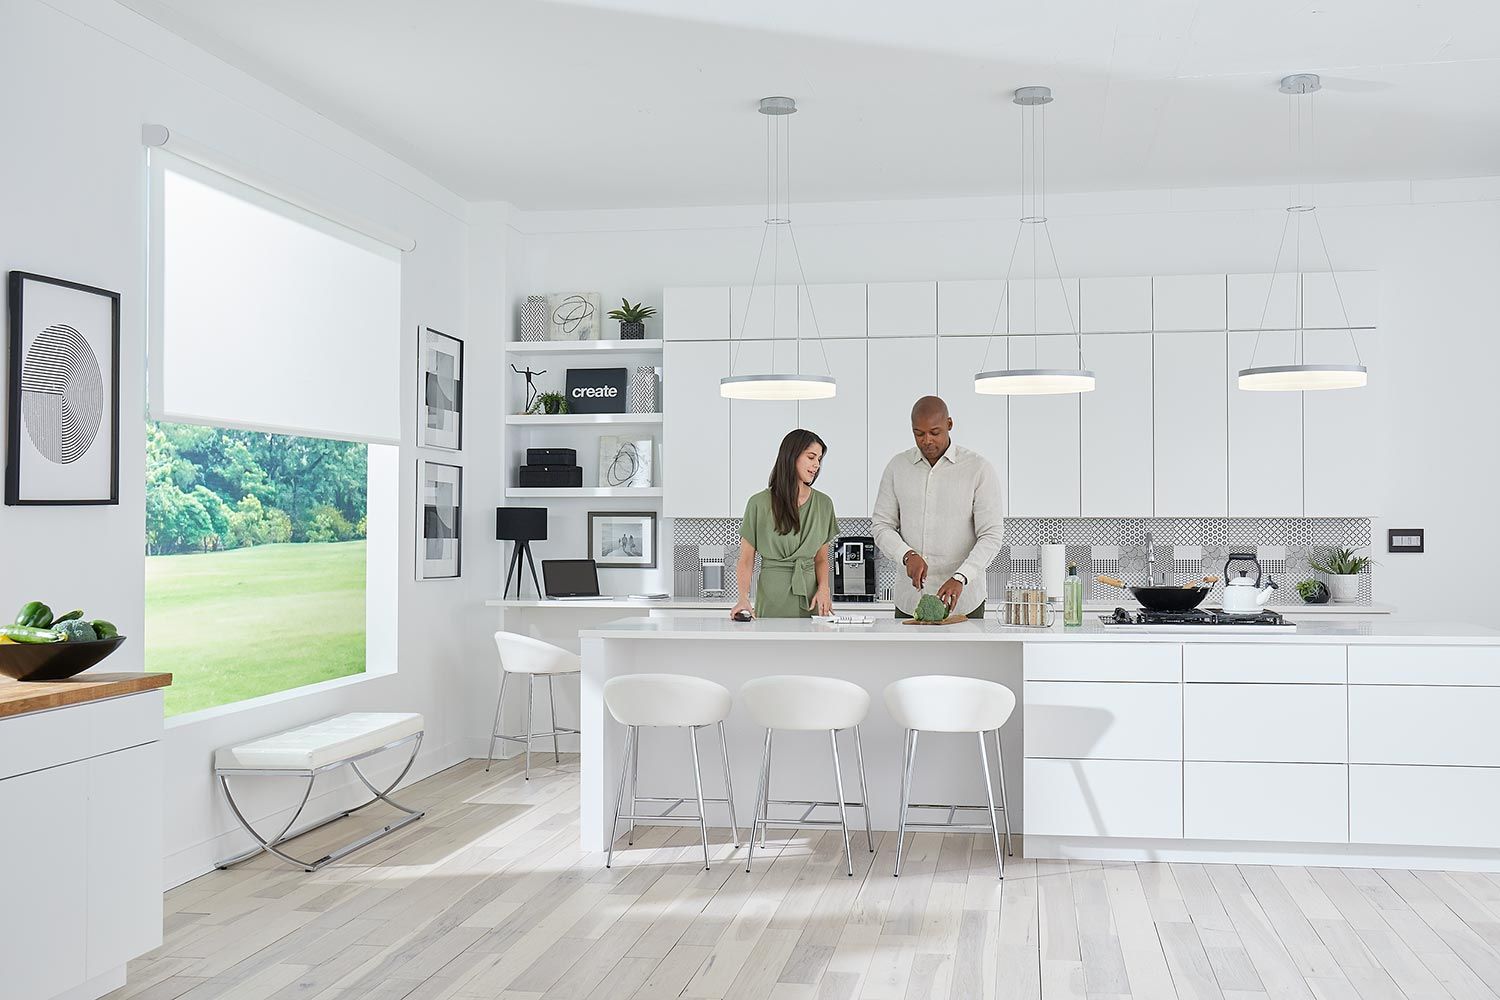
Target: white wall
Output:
{"points": [[1435, 244], [83, 75]]}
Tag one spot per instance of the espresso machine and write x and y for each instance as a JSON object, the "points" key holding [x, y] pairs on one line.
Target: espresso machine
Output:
{"points": [[854, 568]]}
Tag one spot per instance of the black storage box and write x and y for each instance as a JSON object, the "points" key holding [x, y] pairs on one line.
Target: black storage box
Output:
{"points": [[551, 476], [551, 456]]}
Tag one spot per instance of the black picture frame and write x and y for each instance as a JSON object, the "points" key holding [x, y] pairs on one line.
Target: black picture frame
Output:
{"points": [[431, 525], [16, 285], [425, 433], [603, 561]]}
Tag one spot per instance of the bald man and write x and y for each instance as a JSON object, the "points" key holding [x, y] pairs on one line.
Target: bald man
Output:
{"points": [[939, 514]]}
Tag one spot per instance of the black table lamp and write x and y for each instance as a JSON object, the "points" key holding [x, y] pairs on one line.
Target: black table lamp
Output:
{"points": [[522, 525]]}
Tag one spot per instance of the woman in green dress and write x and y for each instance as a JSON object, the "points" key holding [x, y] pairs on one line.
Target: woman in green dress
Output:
{"points": [[790, 525]]}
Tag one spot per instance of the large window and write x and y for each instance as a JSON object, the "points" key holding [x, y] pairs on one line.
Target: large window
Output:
{"points": [[274, 401]]}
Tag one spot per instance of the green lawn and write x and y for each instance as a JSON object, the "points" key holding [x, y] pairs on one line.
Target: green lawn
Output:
{"points": [[239, 624]]}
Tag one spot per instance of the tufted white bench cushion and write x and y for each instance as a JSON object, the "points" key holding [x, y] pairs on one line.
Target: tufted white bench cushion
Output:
{"points": [[319, 744]]}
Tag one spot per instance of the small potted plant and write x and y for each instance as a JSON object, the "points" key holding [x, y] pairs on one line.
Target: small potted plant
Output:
{"points": [[632, 319], [1342, 567], [1313, 591], [550, 403]]}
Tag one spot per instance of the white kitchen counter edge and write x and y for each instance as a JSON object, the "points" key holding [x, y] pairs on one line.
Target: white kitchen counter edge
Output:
{"points": [[854, 607]]}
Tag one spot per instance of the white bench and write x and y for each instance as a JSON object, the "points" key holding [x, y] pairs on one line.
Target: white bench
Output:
{"points": [[309, 751]]}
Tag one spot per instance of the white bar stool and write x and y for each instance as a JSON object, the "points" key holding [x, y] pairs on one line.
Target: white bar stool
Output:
{"points": [[521, 654], [807, 704], [952, 705], [637, 700]]}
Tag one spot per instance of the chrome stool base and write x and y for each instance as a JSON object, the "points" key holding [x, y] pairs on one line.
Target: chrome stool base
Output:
{"points": [[630, 770], [908, 762], [530, 734], [763, 802]]}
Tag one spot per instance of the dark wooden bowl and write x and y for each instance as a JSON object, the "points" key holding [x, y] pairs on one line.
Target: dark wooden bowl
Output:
{"points": [[53, 661]]}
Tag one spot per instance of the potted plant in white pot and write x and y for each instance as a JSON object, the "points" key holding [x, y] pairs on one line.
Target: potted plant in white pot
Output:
{"points": [[1342, 567], [632, 319]]}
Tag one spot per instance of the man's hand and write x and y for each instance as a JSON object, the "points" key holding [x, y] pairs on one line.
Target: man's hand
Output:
{"points": [[949, 592], [916, 569]]}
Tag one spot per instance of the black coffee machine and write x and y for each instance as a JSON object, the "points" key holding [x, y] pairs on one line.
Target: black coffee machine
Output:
{"points": [[854, 568]]}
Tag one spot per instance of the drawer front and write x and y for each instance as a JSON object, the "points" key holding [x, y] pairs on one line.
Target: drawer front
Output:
{"points": [[1402, 724], [1433, 665], [1423, 806], [1252, 663], [1291, 723], [1103, 798], [1103, 721], [1103, 661], [74, 732], [1304, 803]]}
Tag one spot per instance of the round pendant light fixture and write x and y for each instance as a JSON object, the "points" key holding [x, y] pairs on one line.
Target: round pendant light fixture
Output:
{"points": [[773, 385], [1301, 375], [1033, 381]]}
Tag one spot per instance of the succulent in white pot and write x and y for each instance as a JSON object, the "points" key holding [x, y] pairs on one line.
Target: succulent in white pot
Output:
{"points": [[1342, 567]]}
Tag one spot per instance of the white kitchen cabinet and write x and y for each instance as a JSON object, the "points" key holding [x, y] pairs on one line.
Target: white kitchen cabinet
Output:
{"points": [[1188, 302], [902, 369], [695, 434], [123, 855], [1115, 439], [1103, 798], [1288, 723], [1159, 662], [840, 422], [1190, 425], [1360, 294], [902, 309], [695, 313], [1406, 724], [760, 312], [1264, 301], [1044, 475], [756, 426], [1048, 306], [1265, 433], [1313, 295], [1253, 663], [1343, 437], [1301, 803], [1460, 666], [979, 420], [832, 310], [1114, 305], [1422, 806], [1106, 721], [971, 308]]}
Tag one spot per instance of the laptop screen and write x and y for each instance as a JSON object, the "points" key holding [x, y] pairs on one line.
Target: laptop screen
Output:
{"points": [[570, 577]]}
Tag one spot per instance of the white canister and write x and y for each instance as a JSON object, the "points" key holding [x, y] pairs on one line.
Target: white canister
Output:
{"points": [[1054, 571]]}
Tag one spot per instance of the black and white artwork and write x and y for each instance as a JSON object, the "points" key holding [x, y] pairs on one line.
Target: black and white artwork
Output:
{"points": [[439, 513], [625, 461], [63, 440], [623, 539], [574, 316], [442, 408]]}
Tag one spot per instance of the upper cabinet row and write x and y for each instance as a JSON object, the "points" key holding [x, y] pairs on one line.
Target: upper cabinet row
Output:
{"points": [[1185, 303]]}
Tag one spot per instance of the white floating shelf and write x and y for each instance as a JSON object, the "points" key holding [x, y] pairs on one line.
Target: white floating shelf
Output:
{"points": [[584, 493], [561, 419], [583, 346]]}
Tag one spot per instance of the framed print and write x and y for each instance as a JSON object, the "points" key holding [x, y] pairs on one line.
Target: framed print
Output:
{"points": [[574, 316], [625, 461], [622, 539], [440, 499], [63, 392], [442, 391]]}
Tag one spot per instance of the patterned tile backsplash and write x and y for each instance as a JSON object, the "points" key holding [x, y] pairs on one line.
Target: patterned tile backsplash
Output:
{"points": [[1185, 547]]}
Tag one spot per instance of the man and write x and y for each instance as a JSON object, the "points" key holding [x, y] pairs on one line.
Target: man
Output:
{"points": [[939, 514]]}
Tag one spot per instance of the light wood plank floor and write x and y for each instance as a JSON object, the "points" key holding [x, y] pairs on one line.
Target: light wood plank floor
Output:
{"points": [[489, 896]]}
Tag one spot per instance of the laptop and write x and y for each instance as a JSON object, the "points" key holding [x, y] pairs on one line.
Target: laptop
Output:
{"points": [[571, 580]]}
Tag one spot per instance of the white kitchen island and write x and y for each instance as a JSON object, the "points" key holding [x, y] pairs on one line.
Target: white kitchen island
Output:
{"points": [[1368, 742]]}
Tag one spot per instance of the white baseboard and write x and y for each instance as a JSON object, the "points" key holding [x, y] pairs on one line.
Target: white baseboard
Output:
{"points": [[1235, 852]]}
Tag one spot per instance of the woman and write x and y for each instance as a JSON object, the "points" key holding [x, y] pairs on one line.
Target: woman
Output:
{"points": [[790, 524]]}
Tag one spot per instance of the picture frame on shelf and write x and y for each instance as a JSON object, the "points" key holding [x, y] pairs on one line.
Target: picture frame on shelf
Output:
{"points": [[623, 539], [441, 413], [63, 392], [440, 492], [575, 316], [626, 461]]}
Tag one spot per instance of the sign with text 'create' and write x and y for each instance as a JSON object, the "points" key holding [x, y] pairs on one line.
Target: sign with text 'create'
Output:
{"points": [[596, 390]]}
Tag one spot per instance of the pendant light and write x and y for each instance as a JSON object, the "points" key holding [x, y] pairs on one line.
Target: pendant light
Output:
{"points": [[1034, 381], [772, 386], [1300, 375]]}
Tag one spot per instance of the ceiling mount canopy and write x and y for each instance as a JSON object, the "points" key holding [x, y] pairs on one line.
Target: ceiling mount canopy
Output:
{"points": [[774, 385], [1035, 380], [1301, 375]]}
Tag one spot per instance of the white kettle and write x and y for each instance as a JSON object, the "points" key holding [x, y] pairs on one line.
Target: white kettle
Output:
{"points": [[1242, 595]]}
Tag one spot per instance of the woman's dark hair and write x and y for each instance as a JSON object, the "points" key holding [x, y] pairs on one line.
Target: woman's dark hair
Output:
{"points": [[784, 483]]}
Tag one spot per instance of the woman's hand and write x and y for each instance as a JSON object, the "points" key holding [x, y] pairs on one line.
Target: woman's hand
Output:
{"points": [[742, 606], [822, 602]]}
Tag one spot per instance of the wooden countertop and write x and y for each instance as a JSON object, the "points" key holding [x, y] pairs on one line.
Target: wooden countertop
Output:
{"points": [[20, 697]]}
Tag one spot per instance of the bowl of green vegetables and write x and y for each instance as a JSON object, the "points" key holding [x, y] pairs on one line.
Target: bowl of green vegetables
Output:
{"points": [[39, 646]]}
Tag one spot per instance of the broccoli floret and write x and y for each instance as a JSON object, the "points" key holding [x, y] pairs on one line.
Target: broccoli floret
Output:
{"points": [[76, 631], [930, 609]]}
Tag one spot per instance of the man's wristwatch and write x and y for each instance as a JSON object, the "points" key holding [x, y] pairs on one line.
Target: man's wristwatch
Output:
{"points": [[961, 579], [909, 554]]}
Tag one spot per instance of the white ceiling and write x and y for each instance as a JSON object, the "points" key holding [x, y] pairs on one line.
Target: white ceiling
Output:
{"points": [[623, 103]]}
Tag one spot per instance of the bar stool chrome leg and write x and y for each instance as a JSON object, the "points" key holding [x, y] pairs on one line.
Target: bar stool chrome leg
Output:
{"points": [[908, 763], [734, 825], [1004, 805], [989, 792], [864, 791], [838, 779], [552, 717], [698, 784], [530, 687], [635, 789], [760, 801], [609, 848], [495, 727], [766, 813]]}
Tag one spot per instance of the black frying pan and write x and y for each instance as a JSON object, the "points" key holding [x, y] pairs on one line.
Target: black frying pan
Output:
{"points": [[1166, 598]]}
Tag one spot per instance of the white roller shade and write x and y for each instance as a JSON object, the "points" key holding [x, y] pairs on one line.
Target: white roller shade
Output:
{"points": [[266, 316]]}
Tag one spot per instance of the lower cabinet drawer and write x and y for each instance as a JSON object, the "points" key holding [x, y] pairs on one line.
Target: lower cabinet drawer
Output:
{"points": [[1306, 803], [1423, 806], [1103, 798], [1408, 724], [1287, 723], [1113, 721]]}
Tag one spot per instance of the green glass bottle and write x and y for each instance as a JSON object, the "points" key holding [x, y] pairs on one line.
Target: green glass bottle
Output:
{"points": [[1072, 597]]}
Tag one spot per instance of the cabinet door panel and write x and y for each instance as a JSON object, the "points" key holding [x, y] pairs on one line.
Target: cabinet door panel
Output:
{"points": [[696, 313], [979, 421], [756, 426], [1302, 803], [1343, 436], [1105, 721], [1424, 806], [1116, 440], [832, 310], [124, 856], [1188, 302], [1263, 301], [971, 308], [1477, 666], [840, 422], [902, 370], [1229, 722], [1048, 306], [1405, 724], [1044, 474], [1100, 661], [1265, 433], [1191, 423], [1358, 290], [1114, 305], [902, 309], [1103, 798], [761, 312], [695, 432]]}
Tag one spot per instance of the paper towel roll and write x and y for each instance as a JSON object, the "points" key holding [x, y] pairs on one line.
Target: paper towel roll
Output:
{"points": [[1054, 570]]}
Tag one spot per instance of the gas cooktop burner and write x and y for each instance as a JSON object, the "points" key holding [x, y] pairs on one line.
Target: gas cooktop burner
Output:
{"points": [[1196, 616]]}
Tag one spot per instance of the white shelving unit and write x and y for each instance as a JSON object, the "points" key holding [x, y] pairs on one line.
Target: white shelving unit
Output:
{"points": [[577, 419], [584, 347], [584, 493]]}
